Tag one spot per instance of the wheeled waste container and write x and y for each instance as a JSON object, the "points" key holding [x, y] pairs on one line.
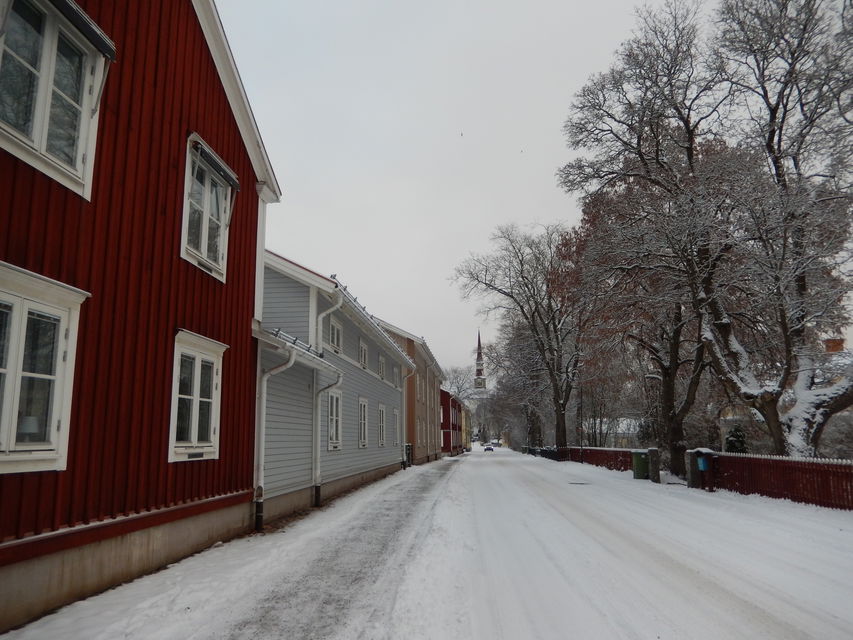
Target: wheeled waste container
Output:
{"points": [[640, 464]]}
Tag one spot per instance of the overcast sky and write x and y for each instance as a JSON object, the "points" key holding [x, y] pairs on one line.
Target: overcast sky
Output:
{"points": [[404, 132]]}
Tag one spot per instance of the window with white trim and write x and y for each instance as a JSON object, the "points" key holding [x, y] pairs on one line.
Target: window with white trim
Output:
{"points": [[53, 63], [196, 395], [396, 426], [38, 340], [362, 353], [336, 333], [397, 379], [334, 416], [362, 422], [381, 367], [210, 187], [381, 425]]}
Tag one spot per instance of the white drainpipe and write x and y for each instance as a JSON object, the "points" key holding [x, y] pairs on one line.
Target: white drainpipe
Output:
{"points": [[318, 344], [262, 440], [315, 462]]}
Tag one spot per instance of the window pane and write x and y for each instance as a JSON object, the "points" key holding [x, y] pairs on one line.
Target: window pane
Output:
{"points": [[216, 200], [185, 416], [185, 381], [213, 241], [5, 324], [34, 410], [68, 77], [204, 416], [197, 186], [40, 344], [24, 33], [194, 229], [17, 95], [206, 390], [63, 130]]}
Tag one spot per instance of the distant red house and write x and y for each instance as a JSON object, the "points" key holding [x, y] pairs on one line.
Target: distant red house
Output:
{"points": [[451, 424], [134, 188]]}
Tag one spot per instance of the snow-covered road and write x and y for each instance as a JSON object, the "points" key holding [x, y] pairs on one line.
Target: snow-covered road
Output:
{"points": [[503, 546]]}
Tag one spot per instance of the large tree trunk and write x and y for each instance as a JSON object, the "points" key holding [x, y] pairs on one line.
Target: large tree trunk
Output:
{"points": [[767, 405], [560, 425]]}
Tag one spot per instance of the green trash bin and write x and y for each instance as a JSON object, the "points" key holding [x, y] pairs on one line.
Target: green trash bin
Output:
{"points": [[640, 464]]}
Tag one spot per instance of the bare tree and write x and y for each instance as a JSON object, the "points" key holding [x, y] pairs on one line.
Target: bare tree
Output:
{"points": [[525, 276], [729, 160], [459, 381]]}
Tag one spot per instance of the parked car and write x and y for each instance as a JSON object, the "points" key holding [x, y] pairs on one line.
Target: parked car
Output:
{"points": [[489, 448]]}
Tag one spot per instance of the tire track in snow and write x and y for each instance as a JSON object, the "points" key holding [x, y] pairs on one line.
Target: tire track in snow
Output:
{"points": [[333, 592]]}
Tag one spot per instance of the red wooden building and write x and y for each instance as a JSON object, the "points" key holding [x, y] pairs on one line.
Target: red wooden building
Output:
{"points": [[451, 424], [134, 186]]}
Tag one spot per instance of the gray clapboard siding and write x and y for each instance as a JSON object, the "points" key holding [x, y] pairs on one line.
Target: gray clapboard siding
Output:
{"points": [[359, 383], [286, 305], [289, 429]]}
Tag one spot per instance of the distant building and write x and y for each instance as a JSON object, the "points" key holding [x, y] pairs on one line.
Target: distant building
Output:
{"points": [[479, 375], [421, 416]]}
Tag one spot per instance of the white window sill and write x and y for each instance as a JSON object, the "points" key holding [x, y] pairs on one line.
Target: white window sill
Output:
{"points": [[45, 164], [28, 461], [196, 260], [190, 454]]}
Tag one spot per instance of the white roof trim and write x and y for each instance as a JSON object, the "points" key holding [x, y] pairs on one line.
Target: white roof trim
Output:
{"points": [[217, 42], [297, 272], [373, 323]]}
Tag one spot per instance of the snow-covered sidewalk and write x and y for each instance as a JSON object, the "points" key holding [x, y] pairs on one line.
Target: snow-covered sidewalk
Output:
{"points": [[501, 545]]}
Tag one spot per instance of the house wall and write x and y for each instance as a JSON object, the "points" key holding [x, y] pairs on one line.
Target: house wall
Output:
{"points": [[286, 305], [289, 429], [421, 408], [359, 383], [123, 247]]}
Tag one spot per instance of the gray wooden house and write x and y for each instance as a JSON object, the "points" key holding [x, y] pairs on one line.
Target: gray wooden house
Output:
{"points": [[330, 399]]}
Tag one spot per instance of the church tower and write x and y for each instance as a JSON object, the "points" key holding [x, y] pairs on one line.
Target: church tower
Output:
{"points": [[479, 375]]}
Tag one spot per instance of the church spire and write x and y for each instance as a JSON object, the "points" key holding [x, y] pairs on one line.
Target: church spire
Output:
{"points": [[479, 375]]}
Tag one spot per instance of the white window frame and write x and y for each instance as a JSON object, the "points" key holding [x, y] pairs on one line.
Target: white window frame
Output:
{"points": [[27, 292], [398, 382], [381, 369], [202, 349], [363, 422], [396, 427], [363, 353], [199, 153], [381, 436], [333, 419], [336, 335], [31, 147]]}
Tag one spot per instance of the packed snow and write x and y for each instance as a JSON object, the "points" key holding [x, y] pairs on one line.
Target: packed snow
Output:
{"points": [[499, 545]]}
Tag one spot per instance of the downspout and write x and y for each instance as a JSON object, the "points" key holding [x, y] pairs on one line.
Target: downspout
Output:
{"points": [[315, 462], [318, 345], [403, 460], [262, 440]]}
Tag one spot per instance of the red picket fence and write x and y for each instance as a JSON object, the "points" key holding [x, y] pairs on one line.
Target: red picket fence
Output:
{"points": [[828, 483], [615, 459]]}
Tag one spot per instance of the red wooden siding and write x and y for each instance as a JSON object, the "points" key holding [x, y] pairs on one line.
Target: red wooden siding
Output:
{"points": [[124, 248]]}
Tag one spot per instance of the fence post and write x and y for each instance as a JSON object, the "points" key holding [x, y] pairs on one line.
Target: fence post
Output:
{"points": [[654, 465], [694, 479]]}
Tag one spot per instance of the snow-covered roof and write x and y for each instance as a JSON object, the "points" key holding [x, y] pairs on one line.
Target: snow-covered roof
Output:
{"points": [[420, 343]]}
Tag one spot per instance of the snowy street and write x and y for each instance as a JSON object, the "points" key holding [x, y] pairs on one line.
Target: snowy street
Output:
{"points": [[498, 545]]}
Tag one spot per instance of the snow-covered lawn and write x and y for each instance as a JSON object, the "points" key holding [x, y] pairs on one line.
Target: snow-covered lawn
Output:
{"points": [[499, 545]]}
